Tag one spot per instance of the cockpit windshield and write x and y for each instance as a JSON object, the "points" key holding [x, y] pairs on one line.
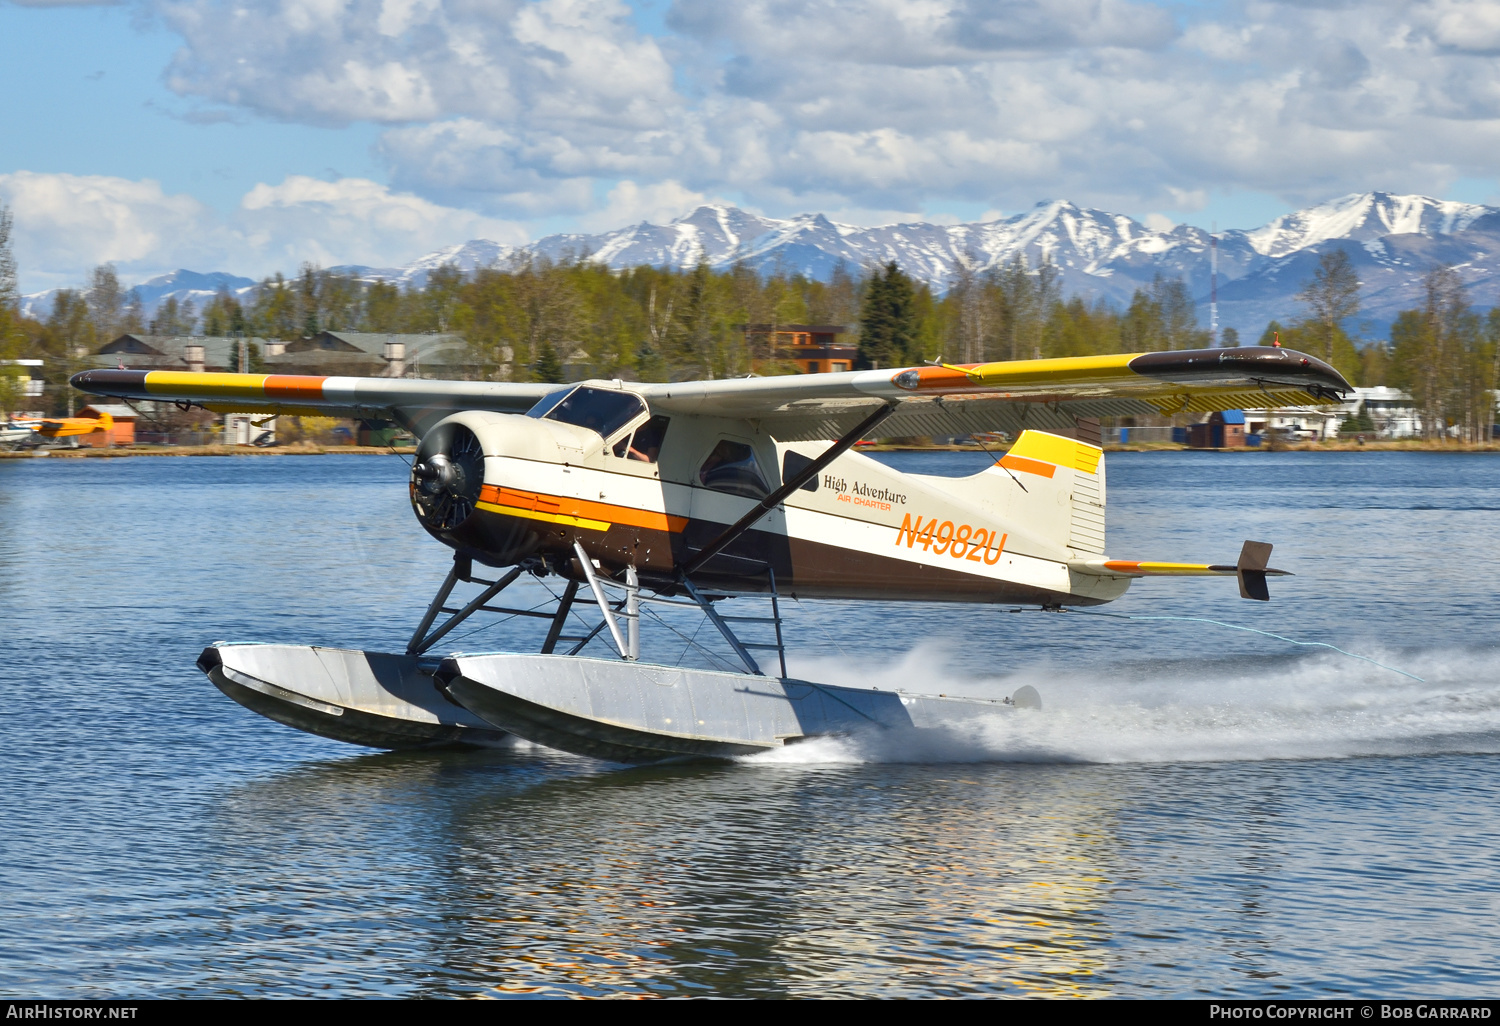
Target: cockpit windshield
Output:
{"points": [[597, 409]]}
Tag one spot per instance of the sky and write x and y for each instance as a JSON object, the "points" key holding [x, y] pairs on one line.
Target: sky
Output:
{"points": [[253, 135]]}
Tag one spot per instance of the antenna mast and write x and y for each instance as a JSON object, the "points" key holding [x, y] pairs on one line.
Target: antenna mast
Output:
{"points": [[1213, 287]]}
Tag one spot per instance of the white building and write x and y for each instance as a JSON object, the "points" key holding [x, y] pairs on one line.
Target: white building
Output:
{"points": [[249, 428], [1391, 409]]}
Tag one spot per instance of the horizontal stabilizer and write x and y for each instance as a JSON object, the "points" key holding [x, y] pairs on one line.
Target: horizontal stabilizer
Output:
{"points": [[1251, 570]]}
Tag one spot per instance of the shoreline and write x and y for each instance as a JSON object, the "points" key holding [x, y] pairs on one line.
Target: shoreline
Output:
{"points": [[304, 449], [120, 452]]}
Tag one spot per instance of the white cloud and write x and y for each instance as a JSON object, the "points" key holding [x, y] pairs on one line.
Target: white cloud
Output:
{"points": [[532, 108], [1465, 24], [521, 108], [66, 224], [355, 221], [629, 203], [563, 62]]}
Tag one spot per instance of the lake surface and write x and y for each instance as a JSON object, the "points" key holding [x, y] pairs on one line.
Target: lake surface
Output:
{"points": [[1198, 811]]}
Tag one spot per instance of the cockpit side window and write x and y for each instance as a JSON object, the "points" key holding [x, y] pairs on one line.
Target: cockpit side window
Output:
{"points": [[733, 468], [597, 409], [646, 445]]}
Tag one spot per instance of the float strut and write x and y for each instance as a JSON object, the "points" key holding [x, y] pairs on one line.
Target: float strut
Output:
{"points": [[564, 606], [462, 568], [729, 636], [599, 597]]}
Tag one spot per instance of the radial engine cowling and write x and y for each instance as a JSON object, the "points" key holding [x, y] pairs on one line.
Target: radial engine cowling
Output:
{"points": [[449, 476]]}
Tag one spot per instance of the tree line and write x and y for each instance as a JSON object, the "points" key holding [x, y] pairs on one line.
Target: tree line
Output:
{"points": [[524, 319]]}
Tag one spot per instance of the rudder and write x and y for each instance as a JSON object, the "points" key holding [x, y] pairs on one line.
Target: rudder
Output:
{"points": [[1047, 466]]}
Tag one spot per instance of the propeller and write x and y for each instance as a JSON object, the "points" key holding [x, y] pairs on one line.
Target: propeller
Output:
{"points": [[447, 478]]}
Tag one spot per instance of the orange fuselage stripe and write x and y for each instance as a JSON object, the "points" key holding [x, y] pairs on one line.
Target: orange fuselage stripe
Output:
{"points": [[1028, 466], [587, 509]]}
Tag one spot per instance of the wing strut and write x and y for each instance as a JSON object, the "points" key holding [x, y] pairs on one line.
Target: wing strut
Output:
{"points": [[788, 486]]}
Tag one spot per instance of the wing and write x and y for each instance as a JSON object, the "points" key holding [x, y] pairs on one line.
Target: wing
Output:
{"points": [[1011, 396], [936, 400], [414, 403]]}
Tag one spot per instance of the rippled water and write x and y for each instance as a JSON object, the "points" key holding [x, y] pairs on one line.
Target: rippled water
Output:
{"points": [[1198, 811]]}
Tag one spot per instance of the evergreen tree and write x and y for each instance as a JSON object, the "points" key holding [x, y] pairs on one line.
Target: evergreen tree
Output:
{"points": [[307, 300], [888, 319], [547, 367], [1359, 421]]}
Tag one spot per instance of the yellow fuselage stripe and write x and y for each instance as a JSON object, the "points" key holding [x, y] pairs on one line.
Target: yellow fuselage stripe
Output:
{"points": [[551, 518]]}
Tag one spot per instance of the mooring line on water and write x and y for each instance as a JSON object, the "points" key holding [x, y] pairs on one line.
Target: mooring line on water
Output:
{"points": [[1254, 630]]}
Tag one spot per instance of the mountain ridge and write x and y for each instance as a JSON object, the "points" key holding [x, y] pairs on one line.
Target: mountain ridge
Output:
{"points": [[1392, 240]]}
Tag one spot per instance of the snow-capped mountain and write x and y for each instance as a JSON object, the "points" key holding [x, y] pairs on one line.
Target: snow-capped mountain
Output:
{"points": [[179, 284], [1392, 241]]}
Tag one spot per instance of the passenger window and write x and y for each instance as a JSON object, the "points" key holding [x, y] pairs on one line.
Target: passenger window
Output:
{"points": [[791, 463], [597, 409], [732, 468]]}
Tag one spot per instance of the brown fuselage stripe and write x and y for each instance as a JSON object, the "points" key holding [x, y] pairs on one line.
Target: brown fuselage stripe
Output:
{"points": [[803, 567]]}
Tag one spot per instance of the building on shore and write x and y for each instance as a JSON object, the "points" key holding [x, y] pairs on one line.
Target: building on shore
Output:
{"points": [[814, 348], [28, 373], [370, 354], [192, 353], [342, 353], [117, 425], [1224, 429], [1392, 411]]}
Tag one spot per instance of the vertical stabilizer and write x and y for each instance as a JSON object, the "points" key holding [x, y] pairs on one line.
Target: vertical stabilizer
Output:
{"points": [[1061, 494]]}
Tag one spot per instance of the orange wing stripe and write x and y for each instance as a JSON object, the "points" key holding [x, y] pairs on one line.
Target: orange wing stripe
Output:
{"points": [[1021, 463], [584, 508], [294, 386]]}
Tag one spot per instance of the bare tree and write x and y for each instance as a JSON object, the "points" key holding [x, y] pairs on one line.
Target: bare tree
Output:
{"points": [[106, 304], [1332, 295], [10, 295]]}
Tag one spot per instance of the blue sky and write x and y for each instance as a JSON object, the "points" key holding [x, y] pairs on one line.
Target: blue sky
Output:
{"points": [[252, 135], [90, 100]]}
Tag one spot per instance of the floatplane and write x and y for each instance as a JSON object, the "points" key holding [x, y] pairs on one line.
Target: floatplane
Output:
{"points": [[623, 494]]}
